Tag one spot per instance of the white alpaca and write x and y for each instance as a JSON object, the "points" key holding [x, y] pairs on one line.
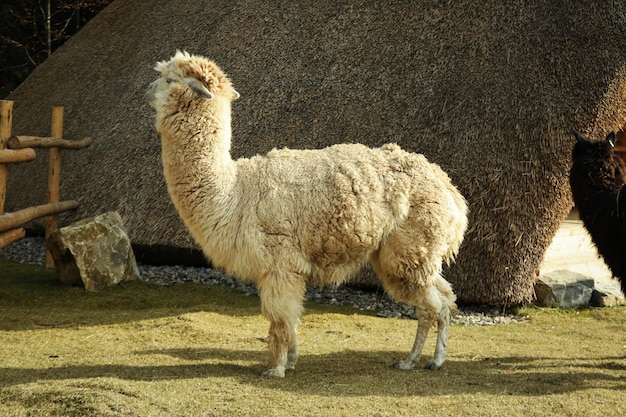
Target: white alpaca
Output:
{"points": [[295, 217]]}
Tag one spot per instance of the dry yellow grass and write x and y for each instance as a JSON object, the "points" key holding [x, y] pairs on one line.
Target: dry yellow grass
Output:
{"points": [[191, 350]]}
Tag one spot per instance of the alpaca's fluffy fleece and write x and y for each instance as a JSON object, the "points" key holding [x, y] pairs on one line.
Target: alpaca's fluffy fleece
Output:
{"points": [[295, 217], [597, 179]]}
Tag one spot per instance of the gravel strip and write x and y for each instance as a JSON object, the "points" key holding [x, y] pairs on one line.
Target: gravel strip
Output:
{"points": [[31, 251]]}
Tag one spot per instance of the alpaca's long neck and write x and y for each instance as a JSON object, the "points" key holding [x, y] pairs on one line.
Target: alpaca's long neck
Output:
{"points": [[198, 168]]}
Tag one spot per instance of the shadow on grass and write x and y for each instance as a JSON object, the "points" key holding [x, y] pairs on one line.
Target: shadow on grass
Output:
{"points": [[356, 373], [32, 297]]}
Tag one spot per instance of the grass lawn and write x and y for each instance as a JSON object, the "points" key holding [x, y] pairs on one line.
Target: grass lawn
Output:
{"points": [[192, 350]]}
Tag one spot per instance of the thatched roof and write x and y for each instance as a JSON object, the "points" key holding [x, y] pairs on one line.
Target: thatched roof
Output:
{"points": [[490, 90]]}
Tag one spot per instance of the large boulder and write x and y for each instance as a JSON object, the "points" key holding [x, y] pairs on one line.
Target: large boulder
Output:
{"points": [[94, 252], [564, 289]]}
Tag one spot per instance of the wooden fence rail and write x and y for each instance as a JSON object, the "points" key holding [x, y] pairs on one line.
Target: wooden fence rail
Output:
{"points": [[18, 218], [11, 236], [20, 149], [21, 142], [10, 156]]}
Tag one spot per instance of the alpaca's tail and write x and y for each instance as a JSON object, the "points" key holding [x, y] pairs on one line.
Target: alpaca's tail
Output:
{"points": [[445, 288], [458, 224]]}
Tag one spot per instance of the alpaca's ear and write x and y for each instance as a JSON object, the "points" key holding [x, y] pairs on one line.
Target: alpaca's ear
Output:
{"points": [[198, 88], [611, 139], [580, 138], [235, 94]]}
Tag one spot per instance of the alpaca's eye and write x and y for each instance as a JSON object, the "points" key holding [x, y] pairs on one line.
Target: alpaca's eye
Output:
{"points": [[168, 80]]}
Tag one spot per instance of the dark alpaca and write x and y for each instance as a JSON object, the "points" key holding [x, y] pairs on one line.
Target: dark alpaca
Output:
{"points": [[597, 180]]}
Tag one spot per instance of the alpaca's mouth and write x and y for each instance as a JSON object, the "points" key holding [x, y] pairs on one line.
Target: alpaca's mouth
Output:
{"points": [[150, 93]]}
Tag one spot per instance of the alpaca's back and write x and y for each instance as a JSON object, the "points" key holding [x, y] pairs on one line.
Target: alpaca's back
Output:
{"points": [[334, 207], [597, 180]]}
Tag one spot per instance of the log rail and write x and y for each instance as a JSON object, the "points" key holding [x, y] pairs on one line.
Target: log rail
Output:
{"points": [[18, 149], [10, 156], [18, 218], [21, 142]]}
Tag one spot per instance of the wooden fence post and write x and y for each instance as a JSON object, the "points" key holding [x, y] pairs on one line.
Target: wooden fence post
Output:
{"points": [[16, 149], [54, 176], [6, 121]]}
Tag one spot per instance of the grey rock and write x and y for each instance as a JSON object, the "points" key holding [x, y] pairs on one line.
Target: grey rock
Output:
{"points": [[564, 289], [607, 294], [94, 252]]}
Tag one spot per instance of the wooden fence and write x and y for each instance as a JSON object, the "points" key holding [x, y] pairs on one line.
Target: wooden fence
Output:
{"points": [[18, 149]]}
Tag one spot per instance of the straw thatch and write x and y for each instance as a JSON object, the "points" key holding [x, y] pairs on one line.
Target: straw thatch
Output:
{"points": [[490, 90]]}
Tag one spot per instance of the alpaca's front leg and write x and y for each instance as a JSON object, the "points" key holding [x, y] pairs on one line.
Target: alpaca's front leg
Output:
{"points": [[294, 349], [278, 341], [283, 346], [281, 303]]}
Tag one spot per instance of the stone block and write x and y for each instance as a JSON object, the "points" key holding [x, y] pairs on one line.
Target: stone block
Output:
{"points": [[607, 293], [94, 252], [564, 289]]}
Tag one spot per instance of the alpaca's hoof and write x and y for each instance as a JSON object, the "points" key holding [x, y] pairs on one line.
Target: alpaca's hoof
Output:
{"points": [[433, 366], [275, 372], [404, 365]]}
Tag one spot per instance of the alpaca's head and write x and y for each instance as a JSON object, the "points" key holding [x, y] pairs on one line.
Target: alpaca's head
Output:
{"points": [[597, 161], [598, 150], [185, 79]]}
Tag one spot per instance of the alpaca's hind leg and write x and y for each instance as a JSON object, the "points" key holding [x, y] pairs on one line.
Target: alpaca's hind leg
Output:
{"points": [[420, 339], [433, 308], [412, 274], [432, 305], [281, 304], [425, 317], [443, 323], [389, 268]]}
